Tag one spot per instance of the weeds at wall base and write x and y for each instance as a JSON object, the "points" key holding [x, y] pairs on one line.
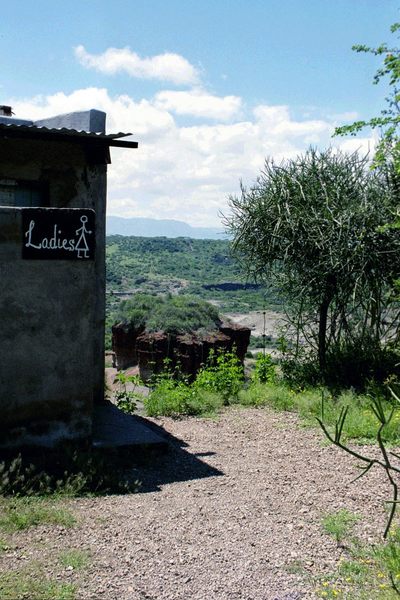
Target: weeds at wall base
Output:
{"points": [[67, 472]]}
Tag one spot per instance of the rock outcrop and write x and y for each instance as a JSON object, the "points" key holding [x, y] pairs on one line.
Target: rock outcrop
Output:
{"points": [[149, 350], [124, 339]]}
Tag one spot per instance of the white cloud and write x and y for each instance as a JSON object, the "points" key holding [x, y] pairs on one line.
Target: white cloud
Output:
{"points": [[187, 172], [198, 103], [165, 67]]}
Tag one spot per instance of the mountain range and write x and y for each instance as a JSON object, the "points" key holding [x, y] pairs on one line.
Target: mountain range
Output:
{"points": [[141, 227]]}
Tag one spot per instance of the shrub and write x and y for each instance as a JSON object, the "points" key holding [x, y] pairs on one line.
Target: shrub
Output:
{"points": [[183, 314], [217, 383], [264, 370], [172, 314], [222, 374], [173, 396], [278, 397], [127, 400], [135, 311], [352, 364]]}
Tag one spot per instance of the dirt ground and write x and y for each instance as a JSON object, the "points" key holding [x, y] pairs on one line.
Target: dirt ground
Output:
{"points": [[232, 511]]}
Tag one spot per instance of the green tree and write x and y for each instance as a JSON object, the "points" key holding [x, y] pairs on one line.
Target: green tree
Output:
{"points": [[312, 226], [388, 148]]}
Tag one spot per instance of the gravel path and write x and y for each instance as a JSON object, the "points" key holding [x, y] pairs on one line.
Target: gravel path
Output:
{"points": [[232, 512]]}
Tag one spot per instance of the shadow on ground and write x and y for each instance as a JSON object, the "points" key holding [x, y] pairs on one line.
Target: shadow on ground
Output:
{"points": [[128, 454], [175, 463]]}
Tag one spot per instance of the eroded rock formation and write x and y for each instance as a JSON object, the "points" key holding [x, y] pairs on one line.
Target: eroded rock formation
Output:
{"points": [[148, 350]]}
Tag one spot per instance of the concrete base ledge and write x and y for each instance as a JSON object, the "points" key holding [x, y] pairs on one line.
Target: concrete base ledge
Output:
{"points": [[112, 428]]}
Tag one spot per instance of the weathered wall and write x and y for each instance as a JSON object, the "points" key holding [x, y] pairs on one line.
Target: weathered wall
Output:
{"points": [[52, 333]]}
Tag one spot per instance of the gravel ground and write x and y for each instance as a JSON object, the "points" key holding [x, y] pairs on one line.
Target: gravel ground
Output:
{"points": [[233, 511]]}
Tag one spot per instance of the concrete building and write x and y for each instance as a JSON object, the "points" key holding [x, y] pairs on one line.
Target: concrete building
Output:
{"points": [[52, 275]]}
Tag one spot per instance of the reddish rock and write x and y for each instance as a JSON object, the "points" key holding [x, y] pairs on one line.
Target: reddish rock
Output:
{"points": [[124, 345], [187, 351], [192, 351], [152, 349], [239, 336]]}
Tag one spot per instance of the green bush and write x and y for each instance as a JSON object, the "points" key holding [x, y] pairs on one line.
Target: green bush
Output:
{"points": [[361, 423], [279, 397], [126, 399], [216, 384], [348, 365], [264, 369], [172, 314], [222, 374], [172, 396], [183, 314], [135, 311]]}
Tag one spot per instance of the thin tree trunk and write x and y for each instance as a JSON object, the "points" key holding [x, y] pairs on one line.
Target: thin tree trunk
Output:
{"points": [[323, 321]]}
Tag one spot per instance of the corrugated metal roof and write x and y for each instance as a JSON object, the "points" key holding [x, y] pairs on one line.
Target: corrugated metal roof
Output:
{"points": [[32, 131]]}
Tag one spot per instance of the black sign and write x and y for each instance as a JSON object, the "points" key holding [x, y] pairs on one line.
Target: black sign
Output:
{"points": [[58, 233]]}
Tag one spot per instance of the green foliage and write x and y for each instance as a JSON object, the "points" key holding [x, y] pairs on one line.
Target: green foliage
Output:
{"points": [[22, 513], [125, 399], [361, 424], [260, 341], [340, 524], [388, 149], [182, 314], [217, 383], [351, 363], [222, 374], [172, 314], [32, 584], [279, 397], [313, 226], [387, 462], [156, 266], [137, 310], [366, 572], [387, 152], [71, 473], [77, 559], [264, 370], [173, 395]]}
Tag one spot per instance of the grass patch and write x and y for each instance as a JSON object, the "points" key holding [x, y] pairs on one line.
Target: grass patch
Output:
{"points": [[367, 572], [17, 514], [77, 559], [361, 424], [340, 524], [28, 585]]}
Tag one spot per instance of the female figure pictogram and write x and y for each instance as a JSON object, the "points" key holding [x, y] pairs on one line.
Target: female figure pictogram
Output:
{"points": [[82, 245]]}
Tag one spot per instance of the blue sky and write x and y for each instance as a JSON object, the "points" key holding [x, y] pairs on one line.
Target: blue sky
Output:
{"points": [[209, 88]]}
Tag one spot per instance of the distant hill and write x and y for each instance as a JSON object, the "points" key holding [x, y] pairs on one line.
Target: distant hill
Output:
{"points": [[169, 228]]}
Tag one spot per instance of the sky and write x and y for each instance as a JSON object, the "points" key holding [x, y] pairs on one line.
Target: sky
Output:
{"points": [[209, 88]]}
